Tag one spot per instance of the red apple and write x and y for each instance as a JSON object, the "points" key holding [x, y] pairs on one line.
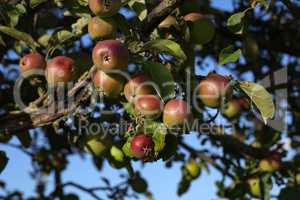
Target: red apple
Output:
{"points": [[32, 61], [142, 146], [110, 55], [59, 70]]}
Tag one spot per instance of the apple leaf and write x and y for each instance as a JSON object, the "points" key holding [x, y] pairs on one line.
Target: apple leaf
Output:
{"points": [[126, 148], [228, 54], [3, 160], [260, 97], [162, 77], [139, 6], [167, 46], [235, 22], [35, 3], [159, 132], [18, 35]]}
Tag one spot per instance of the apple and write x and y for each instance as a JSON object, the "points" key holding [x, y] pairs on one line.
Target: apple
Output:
{"points": [[32, 61], [105, 8], [110, 55], [99, 28], [232, 109], [213, 89], [110, 85], [59, 70], [149, 106], [271, 164], [97, 145], [254, 186], [192, 169], [141, 146], [137, 86], [176, 112]]}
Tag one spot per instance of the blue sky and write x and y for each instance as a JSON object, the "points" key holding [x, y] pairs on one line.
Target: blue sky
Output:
{"points": [[162, 181]]}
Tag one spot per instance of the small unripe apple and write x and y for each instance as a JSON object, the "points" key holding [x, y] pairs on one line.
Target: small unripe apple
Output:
{"points": [[110, 85], [59, 70], [213, 89], [270, 164], [32, 61], [232, 109], [176, 112], [101, 28], [141, 146], [117, 154], [192, 169], [97, 145], [110, 55], [150, 106], [168, 22], [137, 86], [202, 28], [254, 186], [105, 8]]}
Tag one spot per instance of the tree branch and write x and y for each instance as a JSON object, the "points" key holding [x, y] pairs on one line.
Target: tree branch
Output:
{"points": [[158, 14]]}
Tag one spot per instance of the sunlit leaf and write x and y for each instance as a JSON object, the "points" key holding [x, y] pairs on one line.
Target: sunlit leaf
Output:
{"points": [[167, 46], [18, 35], [228, 54], [260, 97]]}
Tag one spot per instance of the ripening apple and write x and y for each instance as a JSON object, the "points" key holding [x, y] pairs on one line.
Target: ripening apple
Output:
{"points": [[137, 86], [97, 145], [192, 169], [213, 89], [254, 186], [59, 70], [176, 113], [110, 85], [149, 106], [100, 28], [271, 164], [32, 61], [110, 55], [105, 8], [232, 109]]}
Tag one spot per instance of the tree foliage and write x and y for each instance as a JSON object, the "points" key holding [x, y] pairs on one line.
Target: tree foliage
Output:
{"points": [[257, 43]]}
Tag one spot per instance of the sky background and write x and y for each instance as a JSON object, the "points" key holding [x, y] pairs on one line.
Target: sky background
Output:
{"points": [[162, 182]]}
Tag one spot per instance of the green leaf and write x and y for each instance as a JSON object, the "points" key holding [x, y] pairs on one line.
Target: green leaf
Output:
{"points": [[129, 108], [126, 148], [266, 183], [35, 3], [80, 24], [260, 97], [167, 46], [3, 160], [18, 35], [228, 54], [235, 23], [162, 77], [159, 132], [289, 193], [2, 41], [139, 7], [14, 13]]}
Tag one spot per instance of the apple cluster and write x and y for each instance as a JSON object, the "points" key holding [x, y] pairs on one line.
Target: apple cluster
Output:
{"points": [[111, 57]]}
